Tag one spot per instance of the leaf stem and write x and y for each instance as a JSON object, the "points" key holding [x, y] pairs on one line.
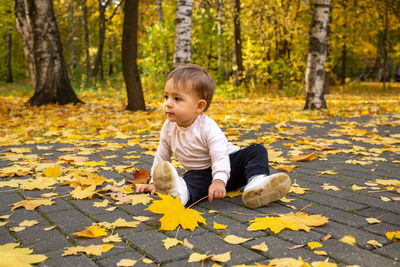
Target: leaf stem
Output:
{"points": [[197, 202]]}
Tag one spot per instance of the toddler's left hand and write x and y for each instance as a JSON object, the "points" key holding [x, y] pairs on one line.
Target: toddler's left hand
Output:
{"points": [[216, 189]]}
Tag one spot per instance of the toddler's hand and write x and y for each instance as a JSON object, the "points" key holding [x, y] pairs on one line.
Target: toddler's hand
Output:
{"points": [[146, 188], [216, 189]]}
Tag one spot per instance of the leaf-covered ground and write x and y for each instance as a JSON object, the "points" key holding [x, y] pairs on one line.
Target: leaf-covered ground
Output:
{"points": [[64, 190]]}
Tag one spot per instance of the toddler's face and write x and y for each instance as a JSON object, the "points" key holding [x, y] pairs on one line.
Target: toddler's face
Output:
{"points": [[181, 103]]}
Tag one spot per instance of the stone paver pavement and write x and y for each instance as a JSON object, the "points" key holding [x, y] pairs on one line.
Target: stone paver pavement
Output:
{"points": [[346, 209]]}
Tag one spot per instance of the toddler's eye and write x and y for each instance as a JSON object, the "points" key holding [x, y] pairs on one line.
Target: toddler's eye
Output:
{"points": [[177, 99], [165, 97]]}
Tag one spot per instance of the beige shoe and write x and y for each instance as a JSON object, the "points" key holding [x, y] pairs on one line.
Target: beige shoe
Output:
{"points": [[264, 189], [167, 181]]}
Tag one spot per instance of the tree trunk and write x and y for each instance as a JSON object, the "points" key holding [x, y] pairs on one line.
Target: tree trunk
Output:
{"points": [[160, 13], [385, 45], [343, 73], [9, 78], [238, 42], [315, 72], [71, 18], [129, 57], [219, 29], [52, 83], [23, 30], [86, 34], [102, 35], [183, 32]]}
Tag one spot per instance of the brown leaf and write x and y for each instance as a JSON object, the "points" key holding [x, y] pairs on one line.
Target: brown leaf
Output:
{"points": [[308, 157], [141, 177]]}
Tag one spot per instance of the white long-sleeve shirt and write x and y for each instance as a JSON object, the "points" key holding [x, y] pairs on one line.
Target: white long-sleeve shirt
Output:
{"points": [[197, 147]]}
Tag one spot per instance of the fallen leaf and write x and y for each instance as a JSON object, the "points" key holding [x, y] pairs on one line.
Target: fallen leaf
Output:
{"points": [[224, 257], [13, 256], [327, 186], [120, 223], [31, 204], [374, 243], [261, 247], [393, 236], [308, 157], [218, 226], [349, 239], [147, 261], [330, 172], [141, 218], [286, 200], [372, 220], [213, 211], [141, 199], [175, 214], [386, 199], [96, 250], [235, 240], [233, 194], [95, 163], [186, 243], [288, 262], [285, 168], [126, 263], [12, 184], [356, 187], [297, 189], [294, 221], [171, 242], [38, 183], [328, 236], [141, 177], [314, 245], [49, 228], [54, 171], [321, 253], [112, 239], [28, 223], [79, 193], [101, 204], [92, 232], [197, 257], [111, 208]]}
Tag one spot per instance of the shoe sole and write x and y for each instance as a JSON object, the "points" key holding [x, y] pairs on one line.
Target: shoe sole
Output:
{"points": [[164, 179], [272, 190]]}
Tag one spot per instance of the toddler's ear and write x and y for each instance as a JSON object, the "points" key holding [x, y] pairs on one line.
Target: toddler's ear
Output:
{"points": [[201, 105]]}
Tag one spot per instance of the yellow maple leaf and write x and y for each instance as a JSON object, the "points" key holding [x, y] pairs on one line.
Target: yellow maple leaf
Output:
{"points": [[308, 157], [233, 194], [289, 262], [261, 247], [15, 170], [218, 226], [96, 250], [141, 199], [171, 242], [54, 171], [393, 182], [394, 236], [13, 256], [223, 257], [314, 245], [95, 163], [297, 189], [374, 243], [38, 183], [126, 263], [12, 183], [196, 257], [79, 193], [356, 187], [28, 223], [294, 221], [175, 214], [349, 239], [330, 172], [112, 239], [327, 186], [235, 240], [31, 204], [101, 204], [372, 220], [92, 232], [120, 223]]}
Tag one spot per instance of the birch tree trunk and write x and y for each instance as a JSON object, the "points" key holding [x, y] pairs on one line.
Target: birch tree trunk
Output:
{"points": [[315, 72], [23, 30], [183, 32], [86, 34], [129, 57], [52, 83]]}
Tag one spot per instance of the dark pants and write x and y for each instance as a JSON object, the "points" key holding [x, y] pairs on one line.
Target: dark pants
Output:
{"points": [[245, 163]]}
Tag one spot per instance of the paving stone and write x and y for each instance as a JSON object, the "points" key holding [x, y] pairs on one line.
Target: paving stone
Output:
{"points": [[209, 242], [86, 205], [132, 255], [382, 215], [233, 228], [150, 243], [59, 205], [116, 214], [392, 251], [43, 241], [300, 237], [55, 259], [333, 202], [119, 247], [278, 248], [70, 221], [5, 236], [382, 228], [136, 210], [338, 231], [6, 199], [376, 202], [351, 255]]}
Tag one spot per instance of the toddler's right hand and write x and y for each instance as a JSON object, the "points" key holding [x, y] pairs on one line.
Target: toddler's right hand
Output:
{"points": [[146, 188]]}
